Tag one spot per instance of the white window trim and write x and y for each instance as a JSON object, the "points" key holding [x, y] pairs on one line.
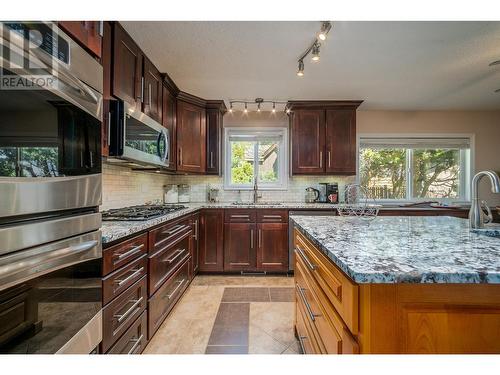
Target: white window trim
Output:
{"points": [[283, 158], [467, 163]]}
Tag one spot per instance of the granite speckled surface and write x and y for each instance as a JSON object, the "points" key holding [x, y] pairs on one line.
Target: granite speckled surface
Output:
{"points": [[403, 249]]}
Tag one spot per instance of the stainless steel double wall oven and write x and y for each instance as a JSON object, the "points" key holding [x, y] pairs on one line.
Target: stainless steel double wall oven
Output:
{"points": [[50, 191]]}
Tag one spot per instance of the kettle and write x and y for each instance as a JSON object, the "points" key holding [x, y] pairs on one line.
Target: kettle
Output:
{"points": [[312, 195]]}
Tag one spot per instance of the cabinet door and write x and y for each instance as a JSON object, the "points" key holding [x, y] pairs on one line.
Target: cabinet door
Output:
{"points": [[196, 243], [214, 130], [272, 247], [308, 141], [107, 50], [211, 240], [127, 69], [341, 141], [153, 86], [191, 138], [169, 121], [239, 247], [87, 33]]}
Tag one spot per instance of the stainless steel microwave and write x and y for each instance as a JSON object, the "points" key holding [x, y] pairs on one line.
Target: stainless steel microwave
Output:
{"points": [[135, 138]]}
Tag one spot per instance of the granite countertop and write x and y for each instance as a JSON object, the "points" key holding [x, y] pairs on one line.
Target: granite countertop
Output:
{"points": [[115, 230], [403, 249]]}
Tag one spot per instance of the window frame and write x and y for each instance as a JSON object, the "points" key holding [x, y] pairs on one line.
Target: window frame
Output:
{"points": [[467, 163], [256, 132]]}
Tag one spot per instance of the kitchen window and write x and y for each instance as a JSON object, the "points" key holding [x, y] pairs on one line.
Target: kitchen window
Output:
{"points": [[415, 169], [255, 152]]}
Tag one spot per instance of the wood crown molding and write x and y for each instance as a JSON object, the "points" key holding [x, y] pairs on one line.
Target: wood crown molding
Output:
{"points": [[219, 105], [192, 99], [326, 104], [170, 84]]}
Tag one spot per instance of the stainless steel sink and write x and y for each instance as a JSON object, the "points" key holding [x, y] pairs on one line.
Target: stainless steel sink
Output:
{"points": [[257, 204]]}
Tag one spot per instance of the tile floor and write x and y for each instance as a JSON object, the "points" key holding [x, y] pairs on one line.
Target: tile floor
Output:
{"points": [[230, 315]]}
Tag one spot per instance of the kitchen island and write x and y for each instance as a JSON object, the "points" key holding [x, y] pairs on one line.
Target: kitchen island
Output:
{"points": [[396, 285]]}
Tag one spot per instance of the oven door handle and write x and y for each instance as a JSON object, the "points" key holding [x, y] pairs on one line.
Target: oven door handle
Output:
{"points": [[25, 265]]}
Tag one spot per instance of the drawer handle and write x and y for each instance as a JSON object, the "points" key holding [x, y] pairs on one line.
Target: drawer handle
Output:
{"points": [[301, 341], [173, 230], [304, 257], [271, 216], [306, 303], [178, 252], [119, 318], [169, 296], [136, 342], [131, 252], [135, 273], [240, 217]]}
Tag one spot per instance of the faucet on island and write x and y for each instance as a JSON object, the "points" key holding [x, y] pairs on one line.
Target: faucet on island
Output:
{"points": [[476, 214]]}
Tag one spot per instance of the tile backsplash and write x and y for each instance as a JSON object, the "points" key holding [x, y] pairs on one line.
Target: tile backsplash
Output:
{"points": [[124, 187]]}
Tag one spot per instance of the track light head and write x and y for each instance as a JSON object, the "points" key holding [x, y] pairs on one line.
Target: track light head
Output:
{"points": [[325, 28], [274, 108], [246, 109], [315, 52], [230, 107], [300, 72]]}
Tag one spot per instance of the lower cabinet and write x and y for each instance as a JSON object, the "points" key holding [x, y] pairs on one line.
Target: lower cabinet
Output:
{"points": [[211, 257], [239, 247], [272, 247], [134, 340]]}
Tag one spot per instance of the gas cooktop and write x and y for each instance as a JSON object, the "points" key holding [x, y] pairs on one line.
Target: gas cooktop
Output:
{"points": [[139, 213]]}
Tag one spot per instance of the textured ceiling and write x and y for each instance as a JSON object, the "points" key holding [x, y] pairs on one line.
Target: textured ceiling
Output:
{"points": [[389, 65]]}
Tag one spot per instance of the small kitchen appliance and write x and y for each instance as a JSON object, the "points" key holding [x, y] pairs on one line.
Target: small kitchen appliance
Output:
{"points": [[329, 192], [312, 195]]}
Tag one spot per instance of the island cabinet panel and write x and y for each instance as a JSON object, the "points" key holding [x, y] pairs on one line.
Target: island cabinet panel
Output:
{"points": [[211, 257], [191, 138], [127, 69], [272, 247], [153, 87], [308, 141], [239, 247], [341, 141]]}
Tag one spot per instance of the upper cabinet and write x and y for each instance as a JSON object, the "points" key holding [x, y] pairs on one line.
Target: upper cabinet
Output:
{"points": [[191, 135], [215, 112], [169, 120], [128, 83], [323, 137], [153, 86], [87, 33]]}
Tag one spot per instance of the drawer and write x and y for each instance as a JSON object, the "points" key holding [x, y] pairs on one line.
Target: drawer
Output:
{"points": [[119, 255], [119, 315], [168, 233], [338, 288], [272, 216], [240, 215], [119, 281], [305, 335], [134, 340], [332, 333], [165, 298], [165, 261]]}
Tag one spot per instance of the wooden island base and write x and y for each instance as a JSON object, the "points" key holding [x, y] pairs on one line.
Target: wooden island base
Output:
{"points": [[334, 315]]}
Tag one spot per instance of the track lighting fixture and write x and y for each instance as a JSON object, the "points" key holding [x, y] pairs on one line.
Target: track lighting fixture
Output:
{"points": [[315, 52], [259, 102], [300, 72], [314, 47], [325, 28], [497, 62]]}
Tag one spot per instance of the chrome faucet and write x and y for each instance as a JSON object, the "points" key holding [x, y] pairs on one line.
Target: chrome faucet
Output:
{"points": [[255, 191], [476, 214]]}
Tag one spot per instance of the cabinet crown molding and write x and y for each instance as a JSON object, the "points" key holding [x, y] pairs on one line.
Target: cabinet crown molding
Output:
{"points": [[323, 104]]}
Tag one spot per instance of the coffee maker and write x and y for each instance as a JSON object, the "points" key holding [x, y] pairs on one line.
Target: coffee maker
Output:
{"points": [[329, 192]]}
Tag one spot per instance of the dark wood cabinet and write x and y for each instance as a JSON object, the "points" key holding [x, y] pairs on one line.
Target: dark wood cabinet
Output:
{"points": [[211, 257], [215, 112], [152, 91], [308, 137], [239, 247], [169, 122], [128, 82], [341, 141], [323, 137], [191, 138], [272, 247], [106, 60], [87, 33]]}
